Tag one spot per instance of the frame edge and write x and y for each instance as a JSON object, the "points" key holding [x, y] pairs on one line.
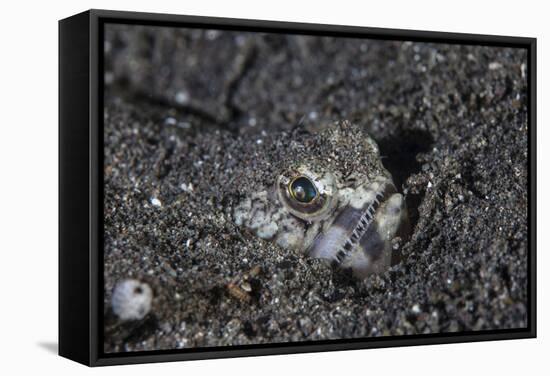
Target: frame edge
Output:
{"points": [[74, 252], [94, 18]]}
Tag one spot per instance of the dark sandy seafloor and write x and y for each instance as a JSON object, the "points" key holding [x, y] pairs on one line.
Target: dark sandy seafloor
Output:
{"points": [[188, 112]]}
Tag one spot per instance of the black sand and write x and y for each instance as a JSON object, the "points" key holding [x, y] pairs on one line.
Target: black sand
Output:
{"points": [[185, 110]]}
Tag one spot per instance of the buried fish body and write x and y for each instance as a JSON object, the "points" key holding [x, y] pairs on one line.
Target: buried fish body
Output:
{"points": [[331, 198]]}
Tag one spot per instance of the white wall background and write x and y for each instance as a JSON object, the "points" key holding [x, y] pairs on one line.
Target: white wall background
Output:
{"points": [[28, 185]]}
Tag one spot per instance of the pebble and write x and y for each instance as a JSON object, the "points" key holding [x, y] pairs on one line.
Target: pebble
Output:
{"points": [[182, 97], [495, 65]]}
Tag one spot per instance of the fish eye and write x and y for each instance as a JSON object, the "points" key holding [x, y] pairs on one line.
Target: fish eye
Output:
{"points": [[302, 190], [305, 194]]}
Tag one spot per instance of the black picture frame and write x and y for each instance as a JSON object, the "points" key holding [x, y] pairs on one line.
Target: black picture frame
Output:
{"points": [[81, 184]]}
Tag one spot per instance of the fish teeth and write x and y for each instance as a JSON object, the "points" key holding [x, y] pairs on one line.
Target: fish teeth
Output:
{"points": [[360, 228], [340, 255]]}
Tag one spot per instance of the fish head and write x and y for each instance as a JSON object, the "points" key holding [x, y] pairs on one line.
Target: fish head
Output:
{"points": [[329, 198]]}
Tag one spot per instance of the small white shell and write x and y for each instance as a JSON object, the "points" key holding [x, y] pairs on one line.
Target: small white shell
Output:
{"points": [[131, 299]]}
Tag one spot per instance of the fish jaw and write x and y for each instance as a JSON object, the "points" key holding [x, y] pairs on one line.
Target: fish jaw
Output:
{"points": [[361, 234]]}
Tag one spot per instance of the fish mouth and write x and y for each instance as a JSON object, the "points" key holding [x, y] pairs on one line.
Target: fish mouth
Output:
{"points": [[353, 227]]}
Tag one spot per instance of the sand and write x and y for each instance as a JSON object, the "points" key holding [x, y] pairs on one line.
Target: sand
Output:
{"points": [[186, 109]]}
